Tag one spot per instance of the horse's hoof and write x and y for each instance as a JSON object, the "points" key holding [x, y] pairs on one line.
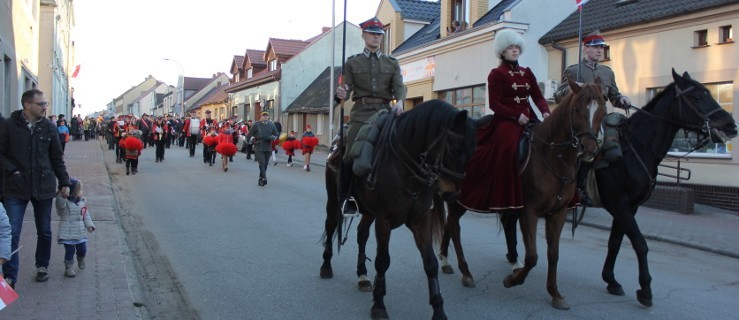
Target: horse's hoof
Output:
{"points": [[644, 298], [560, 303], [468, 282], [379, 314], [616, 290], [364, 285], [447, 269], [508, 282], [327, 273]]}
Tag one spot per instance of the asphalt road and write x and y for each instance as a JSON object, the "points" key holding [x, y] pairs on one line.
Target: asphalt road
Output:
{"points": [[214, 245]]}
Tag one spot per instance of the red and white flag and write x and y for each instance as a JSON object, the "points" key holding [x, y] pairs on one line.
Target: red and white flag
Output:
{"points": [[580, 3], [77, 69], [7, 294]]}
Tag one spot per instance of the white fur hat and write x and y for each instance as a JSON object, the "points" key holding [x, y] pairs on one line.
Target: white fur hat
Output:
{"points": [[506, 38]]}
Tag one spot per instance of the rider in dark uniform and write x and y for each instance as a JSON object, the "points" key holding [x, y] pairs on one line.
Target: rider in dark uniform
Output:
{"points": [[373, 80]]}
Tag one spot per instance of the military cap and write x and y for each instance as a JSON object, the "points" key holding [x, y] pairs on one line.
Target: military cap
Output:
{"points": [[372, 26], [594, 39], [264, 113]]}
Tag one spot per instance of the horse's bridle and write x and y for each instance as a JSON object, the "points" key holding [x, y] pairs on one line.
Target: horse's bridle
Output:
{"points": [[575, 137], [422, 170], [702, 130]]}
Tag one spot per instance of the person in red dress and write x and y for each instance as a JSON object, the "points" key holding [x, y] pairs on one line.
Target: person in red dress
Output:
{"points": [[225, 144], [492, 183]]}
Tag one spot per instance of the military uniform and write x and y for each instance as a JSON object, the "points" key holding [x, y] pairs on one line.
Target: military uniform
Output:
{"points": [[588, 72], [264, 132], [374, 80]]}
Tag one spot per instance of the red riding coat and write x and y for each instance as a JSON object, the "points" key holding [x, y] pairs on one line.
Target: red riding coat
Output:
{"points": [[492, 182]]}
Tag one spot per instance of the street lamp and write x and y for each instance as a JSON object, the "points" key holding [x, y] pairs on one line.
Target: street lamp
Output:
{"points": [[181, 85]]}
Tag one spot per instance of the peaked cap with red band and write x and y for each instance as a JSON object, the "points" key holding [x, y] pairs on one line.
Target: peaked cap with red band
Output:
{"points": [[372, 26], [594, 39]]}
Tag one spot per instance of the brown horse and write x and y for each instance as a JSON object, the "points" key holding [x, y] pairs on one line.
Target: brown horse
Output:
{"points": [[548, 183], [425, 153]]}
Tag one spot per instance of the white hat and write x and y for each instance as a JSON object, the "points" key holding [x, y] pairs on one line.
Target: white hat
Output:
{"points": [[506, 38]]}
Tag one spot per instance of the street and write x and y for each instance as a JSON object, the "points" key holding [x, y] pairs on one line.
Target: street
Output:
{"points": [[209, 244]]}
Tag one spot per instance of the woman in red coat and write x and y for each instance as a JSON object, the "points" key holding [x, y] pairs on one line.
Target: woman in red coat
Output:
{"points": [[492, 183], [225, 144]]}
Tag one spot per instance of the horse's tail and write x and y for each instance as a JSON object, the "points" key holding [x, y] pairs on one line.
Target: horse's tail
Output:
{"points": [[438, 219]]}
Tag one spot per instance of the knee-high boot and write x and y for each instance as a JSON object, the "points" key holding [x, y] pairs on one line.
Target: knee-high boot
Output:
{"points": [[348, 207]]}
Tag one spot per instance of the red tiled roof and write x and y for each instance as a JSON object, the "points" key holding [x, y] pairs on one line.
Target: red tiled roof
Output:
{"points": [[217, 95], [285, 49], [262, 77], [256, 57], [238, 62]]}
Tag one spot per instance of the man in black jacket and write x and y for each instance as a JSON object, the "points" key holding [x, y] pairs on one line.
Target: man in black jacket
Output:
{"points": [[32, 161]]}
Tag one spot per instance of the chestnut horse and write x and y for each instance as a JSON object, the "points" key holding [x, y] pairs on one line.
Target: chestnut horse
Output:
{"points": [[548, 184], [425, 153]]}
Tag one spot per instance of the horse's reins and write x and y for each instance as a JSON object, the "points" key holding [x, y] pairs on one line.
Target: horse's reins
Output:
{"points": [[574, 142], [705, 130], [421, 170]]}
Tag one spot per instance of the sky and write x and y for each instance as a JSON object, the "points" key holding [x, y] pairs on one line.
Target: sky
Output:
{"points": [[120, 43]]}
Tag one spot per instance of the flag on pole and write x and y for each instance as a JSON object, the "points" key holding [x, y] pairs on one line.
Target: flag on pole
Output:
{"points": [[7, 294], [580, 3], [76, 71]]}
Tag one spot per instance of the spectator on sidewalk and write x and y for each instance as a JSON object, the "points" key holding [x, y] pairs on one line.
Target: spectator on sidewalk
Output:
{"points": [[32, 158], [74, 224], [61, 126]]}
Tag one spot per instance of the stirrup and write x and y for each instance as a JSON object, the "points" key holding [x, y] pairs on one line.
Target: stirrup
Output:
{"points": [[349, 208]]}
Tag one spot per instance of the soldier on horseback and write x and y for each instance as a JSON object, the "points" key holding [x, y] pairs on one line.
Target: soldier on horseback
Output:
{"points": [[589, 69], [374, 80]]}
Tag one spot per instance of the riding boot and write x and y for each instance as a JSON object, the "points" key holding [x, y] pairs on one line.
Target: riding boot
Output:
{"points": [[582, 174], [348, 206]]}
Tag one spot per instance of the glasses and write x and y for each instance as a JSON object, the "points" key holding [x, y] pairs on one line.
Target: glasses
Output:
{"points": [[41, 104]]}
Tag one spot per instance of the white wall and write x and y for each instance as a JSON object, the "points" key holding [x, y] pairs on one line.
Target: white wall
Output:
{"points": [[302, 69]]}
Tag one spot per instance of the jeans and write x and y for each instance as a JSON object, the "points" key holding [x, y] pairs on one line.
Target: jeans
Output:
{"points": [[69, 251], [16, 209]]}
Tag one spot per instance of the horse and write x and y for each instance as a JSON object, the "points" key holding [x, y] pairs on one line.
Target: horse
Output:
{"points": [[548, 184], [645, 140], [424, 154]]}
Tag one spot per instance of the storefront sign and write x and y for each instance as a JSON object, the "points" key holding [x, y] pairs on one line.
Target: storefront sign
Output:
{"points": [[418, 70]]}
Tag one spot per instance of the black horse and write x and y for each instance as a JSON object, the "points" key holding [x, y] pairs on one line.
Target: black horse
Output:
{"points": [[627, 183], [645, 140], [425, 153]]}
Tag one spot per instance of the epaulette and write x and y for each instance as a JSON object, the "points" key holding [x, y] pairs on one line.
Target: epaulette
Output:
{"points": [[605, 66], [391, 57], [354, 56]]}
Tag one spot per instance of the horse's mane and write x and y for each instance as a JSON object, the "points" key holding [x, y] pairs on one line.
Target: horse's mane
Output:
{"points": [[426, 120], [559, 117]]}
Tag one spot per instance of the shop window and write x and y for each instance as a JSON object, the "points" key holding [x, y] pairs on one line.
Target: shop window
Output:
{"points": [[471, 99], [723, 93], [700, 38], [725, 34]]}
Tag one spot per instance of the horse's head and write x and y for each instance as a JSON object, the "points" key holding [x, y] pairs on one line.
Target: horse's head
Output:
{"points": [[460, 141], [588, 107], [699, 112]]}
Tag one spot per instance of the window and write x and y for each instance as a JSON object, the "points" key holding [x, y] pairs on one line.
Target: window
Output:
{"points": [[607, 53], [319, 124], [249, 73], [387, 44], [273, 65], [461, 12], [471, 99], [725, 34], [723, 93], [700, 39]]}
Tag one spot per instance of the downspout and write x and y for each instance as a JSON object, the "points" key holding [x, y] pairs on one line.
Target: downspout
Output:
{"points": [[564, 58]]}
